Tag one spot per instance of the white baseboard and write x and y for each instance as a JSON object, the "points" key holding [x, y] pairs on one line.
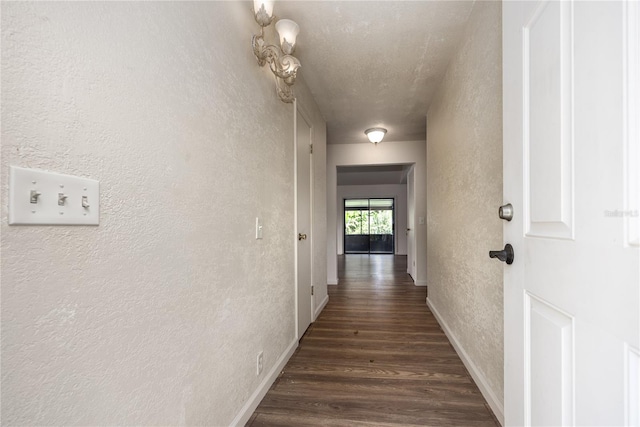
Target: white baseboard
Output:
{"points": [[420, 282], [254, 400], [333, 281], [496, 405], [321, 307]]}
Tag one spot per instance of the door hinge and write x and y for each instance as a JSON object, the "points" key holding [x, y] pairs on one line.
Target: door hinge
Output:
{"points": [[311, 148], [311, 290]]}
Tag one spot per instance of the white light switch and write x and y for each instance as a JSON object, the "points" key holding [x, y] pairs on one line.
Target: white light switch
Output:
{"points": [[421, 220], [258, 228], [38, 197]]}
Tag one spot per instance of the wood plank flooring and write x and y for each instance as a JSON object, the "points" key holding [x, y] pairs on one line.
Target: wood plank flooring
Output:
{"points": [[376, 356]]}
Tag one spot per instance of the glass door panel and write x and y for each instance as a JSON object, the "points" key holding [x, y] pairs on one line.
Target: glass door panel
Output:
{"points": [[368, 226]]}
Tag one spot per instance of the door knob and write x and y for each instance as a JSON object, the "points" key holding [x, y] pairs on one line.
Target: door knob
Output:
{"points": [[505, 255], [506, 212], [302, 236]]}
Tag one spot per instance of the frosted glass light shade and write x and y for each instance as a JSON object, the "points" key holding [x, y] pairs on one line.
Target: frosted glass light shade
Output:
{"points": [[268, 6], [288, 31], [375, 135], [264, 11]]}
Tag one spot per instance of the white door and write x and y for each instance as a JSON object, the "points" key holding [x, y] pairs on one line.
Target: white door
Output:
{"points": [[411, 245], [303, 222], [571, 298]]}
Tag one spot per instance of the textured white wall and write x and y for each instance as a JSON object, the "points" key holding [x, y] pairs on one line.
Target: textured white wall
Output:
{"points": [[395, 191], [156, 316], [464, 191], [367, 154]]}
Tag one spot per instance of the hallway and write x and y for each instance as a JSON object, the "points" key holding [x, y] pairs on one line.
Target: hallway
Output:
{"points": [[375, 356]]}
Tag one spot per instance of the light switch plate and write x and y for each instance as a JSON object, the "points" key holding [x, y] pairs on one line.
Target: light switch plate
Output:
{"points": [[60, 199]]}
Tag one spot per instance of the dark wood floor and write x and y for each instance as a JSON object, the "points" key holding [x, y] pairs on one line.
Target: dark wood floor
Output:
{"points": [[375, 357]]}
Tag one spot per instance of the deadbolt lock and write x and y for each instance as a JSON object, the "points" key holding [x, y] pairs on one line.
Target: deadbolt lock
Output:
{"points": [[506, 212]]}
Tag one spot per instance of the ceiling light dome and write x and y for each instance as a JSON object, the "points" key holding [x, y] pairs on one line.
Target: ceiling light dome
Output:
{"points": [[375, 135]]}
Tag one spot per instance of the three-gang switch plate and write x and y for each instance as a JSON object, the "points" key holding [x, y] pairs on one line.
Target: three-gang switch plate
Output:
{"points": [[39, 197]]}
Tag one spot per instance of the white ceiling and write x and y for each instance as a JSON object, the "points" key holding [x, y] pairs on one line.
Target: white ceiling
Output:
{"points": [[375, 63]]}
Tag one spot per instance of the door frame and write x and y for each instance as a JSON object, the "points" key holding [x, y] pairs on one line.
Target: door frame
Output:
{"points": [[298, 108]]}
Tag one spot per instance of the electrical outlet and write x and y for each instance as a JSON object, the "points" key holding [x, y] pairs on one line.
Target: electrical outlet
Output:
{"points": [[259, 363]]}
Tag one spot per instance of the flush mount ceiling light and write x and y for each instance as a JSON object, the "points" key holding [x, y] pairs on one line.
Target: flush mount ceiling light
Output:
{"points": [[280, 59], [375, 135]]}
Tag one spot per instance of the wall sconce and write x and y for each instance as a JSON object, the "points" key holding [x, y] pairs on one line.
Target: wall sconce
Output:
{"points": [[375, 135], [281, 60]]}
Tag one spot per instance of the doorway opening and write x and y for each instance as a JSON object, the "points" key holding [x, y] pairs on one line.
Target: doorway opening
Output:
{"points": [[369, 226]]}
